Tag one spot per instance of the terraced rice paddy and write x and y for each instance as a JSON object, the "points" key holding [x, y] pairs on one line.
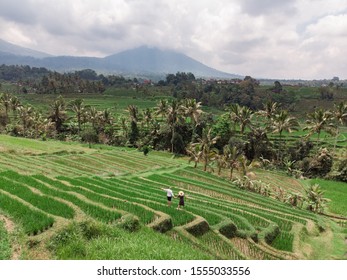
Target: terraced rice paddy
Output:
{"points": [[42, 191]]}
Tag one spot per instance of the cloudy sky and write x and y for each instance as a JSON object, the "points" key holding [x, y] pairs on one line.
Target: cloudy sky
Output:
{"points": [[263, 38]]}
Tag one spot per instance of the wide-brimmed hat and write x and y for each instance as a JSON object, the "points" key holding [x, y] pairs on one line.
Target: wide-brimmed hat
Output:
{"points": [[180, 193]]}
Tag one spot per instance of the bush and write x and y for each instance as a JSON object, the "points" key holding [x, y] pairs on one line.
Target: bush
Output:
{"points": [[341, 173], [198, 227], [228, 230], [90, 136], [129, 222], [318, 166]]}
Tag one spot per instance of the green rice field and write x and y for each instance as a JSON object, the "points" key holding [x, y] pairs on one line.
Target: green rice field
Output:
{"points": [[74, 202]]}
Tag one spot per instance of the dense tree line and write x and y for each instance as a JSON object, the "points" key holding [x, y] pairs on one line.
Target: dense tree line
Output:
{"points": [[40, 80], [181, 126], [220, 93], [17, 72], [233, 141]]}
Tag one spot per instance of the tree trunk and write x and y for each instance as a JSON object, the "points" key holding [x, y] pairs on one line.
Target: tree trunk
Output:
{"points": [[231, 173]]}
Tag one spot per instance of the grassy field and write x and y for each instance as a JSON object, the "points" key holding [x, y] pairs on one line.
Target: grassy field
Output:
{"points": [[74, 202], [336, 192]]}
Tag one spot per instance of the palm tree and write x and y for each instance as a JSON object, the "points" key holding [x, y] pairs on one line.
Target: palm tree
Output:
{"points": [[241, 115], [134, 132], [270, 110], [133, 113], [219, 159], [283, 122], [37, 123], [124, 126], [77, 106], [25, 115], [106, 117], [58, 113], [174, 117], [232, 158], [15, 104], [194, 151], [147, 116], [5, 100], [162, 108], [317, 121], [206, 143], [340, 115], [94, 117], [191, 109]]}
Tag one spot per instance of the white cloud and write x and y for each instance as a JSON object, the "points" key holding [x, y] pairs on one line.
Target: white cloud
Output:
{"points": [[270, 38]]}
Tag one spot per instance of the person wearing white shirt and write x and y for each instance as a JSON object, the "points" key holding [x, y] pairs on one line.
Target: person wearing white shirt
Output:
{"points": [[170, 195]]}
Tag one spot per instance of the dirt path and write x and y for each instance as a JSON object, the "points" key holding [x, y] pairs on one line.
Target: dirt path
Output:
{"points": [[9, 225]]}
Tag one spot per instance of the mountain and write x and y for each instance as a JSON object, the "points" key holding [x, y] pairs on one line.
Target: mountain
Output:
{"points": [[154, 60], [11, 49], [143, 61]]}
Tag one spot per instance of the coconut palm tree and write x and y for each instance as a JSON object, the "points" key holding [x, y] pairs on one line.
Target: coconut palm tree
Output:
{"points": [[283, 122], [241, 115], [124, 126], [191, 109], [15, 104], [134, 132], [25, 115], [271, 108], [206, 143], [5, 101], [232, 159], [319, 121], [194, 152], [133, 113], [106, 117], [339, 114], [162, 108], [58, 113], [174, 117], [94, 117], [147, 116], [77, 106]]}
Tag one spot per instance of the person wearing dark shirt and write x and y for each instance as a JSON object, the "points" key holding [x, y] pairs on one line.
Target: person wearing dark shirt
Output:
{"points": [[181, 200]]}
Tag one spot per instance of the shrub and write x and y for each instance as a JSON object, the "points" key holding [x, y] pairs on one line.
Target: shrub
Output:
{"points": [[129, 222], [228, 230], [341, 173], [318, 166], [198, 227]]}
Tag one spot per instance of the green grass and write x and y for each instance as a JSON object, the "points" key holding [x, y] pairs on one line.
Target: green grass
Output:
{"points": [[284, 241], [337, 193], [111, 243], [45, 203], [117, 101], [31, 220], [18, 145], [5, 245], [88, 182]]}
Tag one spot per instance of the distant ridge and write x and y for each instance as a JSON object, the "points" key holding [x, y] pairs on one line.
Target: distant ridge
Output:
{"points": [[143, 61], [12, 49]]}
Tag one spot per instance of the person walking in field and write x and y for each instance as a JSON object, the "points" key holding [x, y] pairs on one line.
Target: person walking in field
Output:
{"points": [[181, 200], [170, 195]]}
